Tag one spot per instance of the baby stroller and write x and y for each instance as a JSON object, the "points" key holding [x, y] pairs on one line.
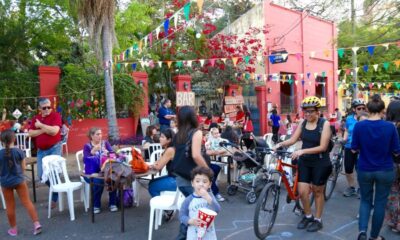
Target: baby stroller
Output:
{"points": [[247, 176]]}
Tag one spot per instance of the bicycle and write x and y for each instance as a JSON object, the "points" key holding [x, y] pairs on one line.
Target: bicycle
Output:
{"points": [[268, 202], [337, 166]]}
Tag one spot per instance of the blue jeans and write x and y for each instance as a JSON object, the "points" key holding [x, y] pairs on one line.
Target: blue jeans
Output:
{"points": [[165, 183], [216, 169], [98, 187], [54, 150], [382, 181]]}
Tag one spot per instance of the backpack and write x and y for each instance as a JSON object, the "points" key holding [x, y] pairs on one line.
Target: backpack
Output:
{"points": [[320, 126]]}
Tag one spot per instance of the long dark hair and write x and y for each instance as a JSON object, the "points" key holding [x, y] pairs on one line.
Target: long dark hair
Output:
{"points": [[187, 121], [246, 112], [393, 112], [7, 138], [169, 134]]}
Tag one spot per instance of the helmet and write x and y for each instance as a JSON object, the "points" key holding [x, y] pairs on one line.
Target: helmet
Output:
{"points": [[311, 102], [357, 102]]}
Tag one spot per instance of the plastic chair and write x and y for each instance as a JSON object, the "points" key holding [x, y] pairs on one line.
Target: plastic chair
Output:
{"points": [[268, 139], [57, 165], [24, 142], [2, 199], [86, 186], [155, 155], [159, 204], [153, 147], [64, 144]]}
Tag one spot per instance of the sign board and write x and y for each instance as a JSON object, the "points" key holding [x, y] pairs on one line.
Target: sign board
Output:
{"points": [[144, 123], [185, 99], [323, 102], [230, 108], [279, 56], [17, 113], [237, 100]]}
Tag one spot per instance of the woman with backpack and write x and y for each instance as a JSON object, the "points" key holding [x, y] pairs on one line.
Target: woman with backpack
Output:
{"points": [[314, 165], [377, 141]]}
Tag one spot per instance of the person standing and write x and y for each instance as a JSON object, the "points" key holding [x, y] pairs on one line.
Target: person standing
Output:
{"points": [[275, 123], [350, 158], [12, 167], [376, 141], [46, 130], [165, 114]]}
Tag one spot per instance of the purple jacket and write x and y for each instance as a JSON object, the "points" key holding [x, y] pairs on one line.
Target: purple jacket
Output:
{"points": [[92, 162]]}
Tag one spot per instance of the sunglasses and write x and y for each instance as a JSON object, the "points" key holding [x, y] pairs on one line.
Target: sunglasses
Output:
{"points": [[46, 108], [360, 108], [309, 111]]}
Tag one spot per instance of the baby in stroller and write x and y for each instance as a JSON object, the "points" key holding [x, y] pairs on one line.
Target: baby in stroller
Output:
{"points": [[212, 145]]}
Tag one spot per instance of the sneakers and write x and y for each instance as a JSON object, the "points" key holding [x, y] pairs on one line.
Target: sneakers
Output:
{"points": [[314, 226], [12, 232], [113, 208], [350, 191], [304, 222], [362, 236], [219, 198], [96, 210], [37, 228]]}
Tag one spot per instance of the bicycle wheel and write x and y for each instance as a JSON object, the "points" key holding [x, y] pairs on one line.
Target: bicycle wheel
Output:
{"points": [[331, 183], [266, 210]]}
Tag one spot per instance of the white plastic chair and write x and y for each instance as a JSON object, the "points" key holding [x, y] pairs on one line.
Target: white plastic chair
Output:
{"points": [[2, 199], [64, 144], [153, 147], [159, 204], [155, 155], [57, 165], [86, 186], [268, 139], [24, 143]]}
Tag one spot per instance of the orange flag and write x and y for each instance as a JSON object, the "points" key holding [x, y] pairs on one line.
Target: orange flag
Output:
{"points": [[235, 60]]}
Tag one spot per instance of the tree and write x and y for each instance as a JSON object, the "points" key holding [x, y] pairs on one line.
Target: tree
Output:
{"points": [[97, 16]]}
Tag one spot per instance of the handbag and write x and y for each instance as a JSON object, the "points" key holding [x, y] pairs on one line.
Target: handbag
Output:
{"points": [[127, 197], [138, 164], [248, 126]]}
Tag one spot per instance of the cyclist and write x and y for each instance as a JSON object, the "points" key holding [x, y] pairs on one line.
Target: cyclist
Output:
{"points": [[314, 166], [350, 158]]}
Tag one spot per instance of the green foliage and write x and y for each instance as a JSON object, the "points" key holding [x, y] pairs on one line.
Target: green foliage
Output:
{"points": [[128, 95]]}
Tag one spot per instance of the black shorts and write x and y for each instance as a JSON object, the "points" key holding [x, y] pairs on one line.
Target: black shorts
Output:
{"points": [[316, 174], [350, 160]]}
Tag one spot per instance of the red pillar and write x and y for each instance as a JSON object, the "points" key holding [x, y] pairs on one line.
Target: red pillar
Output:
{"points": [[232, 89], [261, 92], [183, 83], [141, 78], [49, 78]]}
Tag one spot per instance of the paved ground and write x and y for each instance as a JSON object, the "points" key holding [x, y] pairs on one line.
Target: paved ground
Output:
{"points": [[235, 222]]}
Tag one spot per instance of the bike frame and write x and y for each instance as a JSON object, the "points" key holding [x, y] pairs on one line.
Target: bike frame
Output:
{"points": [[279, 170]]}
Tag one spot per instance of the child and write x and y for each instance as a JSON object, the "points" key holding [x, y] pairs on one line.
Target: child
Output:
{"points": [[212, 144], [201, 198], [12, 166]]}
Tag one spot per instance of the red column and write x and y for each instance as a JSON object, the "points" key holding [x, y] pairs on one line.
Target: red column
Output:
{"points": [[141, 78], [261, 92], [232, 89], [49, 78], [183, 83]]}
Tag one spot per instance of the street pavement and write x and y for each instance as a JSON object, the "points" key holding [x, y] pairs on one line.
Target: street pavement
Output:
{"points": [[235, 221]]}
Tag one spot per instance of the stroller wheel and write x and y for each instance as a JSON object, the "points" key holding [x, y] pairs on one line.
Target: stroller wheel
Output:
{"points": [[232, 189], [251, 197]]}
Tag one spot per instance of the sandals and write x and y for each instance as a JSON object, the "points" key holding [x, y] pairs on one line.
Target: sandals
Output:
{"points": [[37, 229]]}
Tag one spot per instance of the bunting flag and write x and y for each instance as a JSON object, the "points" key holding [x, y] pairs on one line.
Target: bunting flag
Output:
{"points": [[175, 19], [133, 66], [327, 52], [179, 64], [159, 64], [315, 75], [212, 61], [271, 58], [338, 71], [223, 60], [397, 63], [308, 75], [341, 52], [284, 56], [312, 54], [186, 11], [355, 49], [166, 26], [371, 49], [375, 67], [201, 62], [296, 82], [119, 66], [356, 69], [386, 45], [302, 82], [247, 59], [157, 32], [386, 65], [301, 75], [151, 38], [365, 68], [151, 63], [235, 60], [169, 64], [348, 71], [189, 63], [145, 41], [141, 64], [140, 46], [259, 59], [200, 6]]}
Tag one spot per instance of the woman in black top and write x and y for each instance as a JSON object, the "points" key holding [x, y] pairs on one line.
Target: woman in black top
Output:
{"points": [[314, 166]]}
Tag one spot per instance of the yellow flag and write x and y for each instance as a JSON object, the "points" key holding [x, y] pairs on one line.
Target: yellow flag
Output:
{"points": [[235, 60], [169, 64], [200, 5]]}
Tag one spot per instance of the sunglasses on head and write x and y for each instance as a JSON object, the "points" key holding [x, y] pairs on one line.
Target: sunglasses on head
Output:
{"points": [[46, 108], [360, 108]]}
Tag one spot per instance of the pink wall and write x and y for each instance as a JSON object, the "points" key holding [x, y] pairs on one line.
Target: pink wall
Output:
{"points": [[298, 32]]}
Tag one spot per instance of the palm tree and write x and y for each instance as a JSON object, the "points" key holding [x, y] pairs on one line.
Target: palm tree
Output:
{"points": [[97, 17]]}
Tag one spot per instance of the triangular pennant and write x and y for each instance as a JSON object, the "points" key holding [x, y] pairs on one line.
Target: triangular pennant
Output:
{"points": [[151, 39], [386, 65], [371, 85], [175, 20], [157, 32], [371, 49], [142, 64], [338, 71], [133, 66], [302, 82], [235, 60], [315, 75], [145, 41], [151, 63], [189, 63], [284, 56], [312, 54], [397, 63], [296, 82], [126, 65], [327, 52], [212, 62], [348, 71], [200, 6], [379, 85], [354, 85], [252, 76], [323, 74], [386, 45], [301, 75], [362, 85], [309, 83], [223, 60], [271, 58], [121, 57], [365, 68], [290, 81], [247, 59], [356, 69], [159, 64], [355, 49], [340, 52], [179, 64], [140, 46], [308, 75], [259, 59], [201, 62], [119, 66], [166, 26], [375, 67], [186, 11], [298, 56], [169, 63], [135, 47]]}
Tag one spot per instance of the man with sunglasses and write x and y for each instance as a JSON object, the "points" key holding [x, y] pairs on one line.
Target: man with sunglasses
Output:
{"points": [[350, 158], [45, 129]]}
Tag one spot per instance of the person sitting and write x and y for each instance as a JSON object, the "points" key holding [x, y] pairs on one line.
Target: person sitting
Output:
{"points": [[212, 145], [203, 108], [151, 137], [207, 122], [92, 153], [230, 135]]}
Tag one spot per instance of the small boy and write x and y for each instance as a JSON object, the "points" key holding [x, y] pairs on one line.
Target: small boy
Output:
{"points": [[201, 198]]}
